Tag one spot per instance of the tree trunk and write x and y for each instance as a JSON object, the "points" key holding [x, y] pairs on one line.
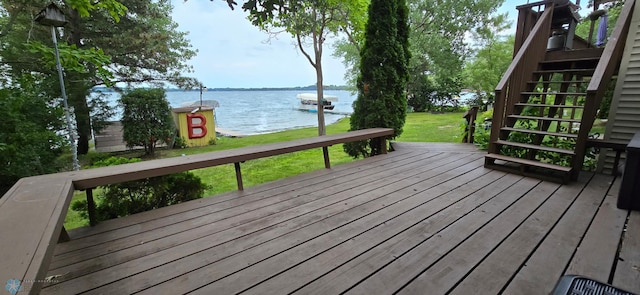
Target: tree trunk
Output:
{"points": [[79, 90], [320, 94]]}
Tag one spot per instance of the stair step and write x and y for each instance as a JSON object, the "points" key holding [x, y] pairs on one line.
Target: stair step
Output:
{"points": [[554, 93], [539, 132], [593, 58], [543, 118], [529, 162], [557, 82], [536, 147], [575, 71], [560, 106]]}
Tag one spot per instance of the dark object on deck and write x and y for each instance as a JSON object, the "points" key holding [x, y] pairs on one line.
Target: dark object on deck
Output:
{"points": [[630, 188], [572, 284]]}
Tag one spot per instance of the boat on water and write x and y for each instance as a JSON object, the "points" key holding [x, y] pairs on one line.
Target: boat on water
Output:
{"points": [[309, 102]]}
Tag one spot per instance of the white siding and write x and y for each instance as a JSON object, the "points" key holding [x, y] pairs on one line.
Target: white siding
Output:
{"points": [[624, 116]]}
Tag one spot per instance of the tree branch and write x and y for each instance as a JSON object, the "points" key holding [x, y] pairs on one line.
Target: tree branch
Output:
{"points": [[12, 19], [303, 51]]}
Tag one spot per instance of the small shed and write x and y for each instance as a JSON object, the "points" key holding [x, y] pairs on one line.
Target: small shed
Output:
{"points": [[196, 124]]}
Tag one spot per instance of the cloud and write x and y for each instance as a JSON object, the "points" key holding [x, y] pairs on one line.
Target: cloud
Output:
{"points": [[234, 53]]}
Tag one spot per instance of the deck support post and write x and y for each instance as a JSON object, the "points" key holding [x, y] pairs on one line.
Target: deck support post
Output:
{"points": [[325, 153], [238, 176], [91, 207]]}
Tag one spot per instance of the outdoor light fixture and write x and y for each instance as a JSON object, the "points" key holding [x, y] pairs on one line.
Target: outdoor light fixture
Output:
{"points": [[54, 17], [201, 88]]}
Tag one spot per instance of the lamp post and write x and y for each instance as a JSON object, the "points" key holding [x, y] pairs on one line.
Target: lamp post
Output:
{"points": [[201, 88], [54, 17]]}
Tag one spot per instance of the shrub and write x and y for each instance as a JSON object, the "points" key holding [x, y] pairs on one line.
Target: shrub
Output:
{"points": [[146, 119], [137, 196]]}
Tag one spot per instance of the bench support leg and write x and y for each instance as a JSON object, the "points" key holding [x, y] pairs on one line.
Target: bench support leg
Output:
{"points": [[327, 162], [383, 145], [91, 208], [64, 236], [238, 176]]}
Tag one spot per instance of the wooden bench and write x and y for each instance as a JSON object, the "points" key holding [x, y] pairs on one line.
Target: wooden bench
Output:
{"points": [[32, 212]]}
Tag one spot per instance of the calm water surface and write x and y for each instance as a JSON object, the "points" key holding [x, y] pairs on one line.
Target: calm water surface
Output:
{"points": [[255, 112]]}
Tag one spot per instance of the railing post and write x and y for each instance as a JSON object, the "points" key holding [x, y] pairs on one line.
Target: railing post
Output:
{"points": [[470, 116], [91, 207], [238, 176], [325, 153]]}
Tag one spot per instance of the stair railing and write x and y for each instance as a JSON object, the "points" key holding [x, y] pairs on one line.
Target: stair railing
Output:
{"points": [[525, 62], [609, 61]]}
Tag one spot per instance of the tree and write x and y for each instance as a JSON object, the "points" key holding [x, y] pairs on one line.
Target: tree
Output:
{"points": [[310, 23], [29, 141], [484, 72], [146, 119], [383, 76], [132, 44], [440, 34]]}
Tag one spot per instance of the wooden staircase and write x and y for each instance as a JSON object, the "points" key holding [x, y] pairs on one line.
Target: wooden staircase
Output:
{"points": [[544, 123], [546, 102]]}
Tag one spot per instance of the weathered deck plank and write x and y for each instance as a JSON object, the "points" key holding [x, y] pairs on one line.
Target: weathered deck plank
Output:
{"points": [[202, 242], [437, 214], [353, 271], [597, 252], [211, 270], [265, 190], [497, 269], [627, 274], [416, 219], [549, 261], [420, 269], [199, 215]]}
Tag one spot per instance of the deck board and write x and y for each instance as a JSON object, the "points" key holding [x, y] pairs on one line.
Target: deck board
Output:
{"points": [[227, 212], [627, 274], [597, 251], [497, 269], [419, 218], [542, 270], [345, 220]]}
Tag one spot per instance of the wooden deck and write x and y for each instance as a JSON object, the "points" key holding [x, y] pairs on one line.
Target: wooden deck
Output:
{"points": [[415, 221]]}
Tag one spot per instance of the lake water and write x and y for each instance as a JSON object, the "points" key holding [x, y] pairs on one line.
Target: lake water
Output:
{"points": [[255, 112]]}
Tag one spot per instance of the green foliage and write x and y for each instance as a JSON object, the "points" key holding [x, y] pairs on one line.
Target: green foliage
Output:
{"points": [[613, 10], [75, 59], [104, 42], [605, 104], [383, 75], [142, 195], [29, 139], [180, 143], [483, 130], [440, 44], [484, 72], [146, 119]]}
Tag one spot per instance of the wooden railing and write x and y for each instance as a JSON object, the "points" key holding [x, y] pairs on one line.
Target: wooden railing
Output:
{"points": [[32, 212], [520, 70], [609, 62]]}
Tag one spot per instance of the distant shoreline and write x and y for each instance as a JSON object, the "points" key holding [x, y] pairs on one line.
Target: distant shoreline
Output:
{"points": [[300, 88]]}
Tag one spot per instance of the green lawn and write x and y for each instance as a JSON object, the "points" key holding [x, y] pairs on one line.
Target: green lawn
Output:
{"points": [[419, 127]]}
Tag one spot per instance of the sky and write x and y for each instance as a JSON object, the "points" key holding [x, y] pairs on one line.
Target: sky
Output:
{"points": [[234, 53]]}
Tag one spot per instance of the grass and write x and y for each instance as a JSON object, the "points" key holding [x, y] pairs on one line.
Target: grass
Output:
{"points": [[419, 127]]}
